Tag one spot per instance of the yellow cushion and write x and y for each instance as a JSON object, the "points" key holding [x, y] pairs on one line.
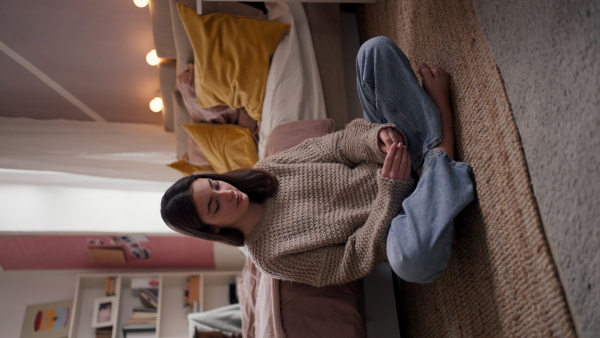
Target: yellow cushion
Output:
{"points": [[226, 146], [187, 169], [232, 55]]}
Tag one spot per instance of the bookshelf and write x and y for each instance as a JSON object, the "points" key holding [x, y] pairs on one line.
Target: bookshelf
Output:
{"points": [[175, 289]]}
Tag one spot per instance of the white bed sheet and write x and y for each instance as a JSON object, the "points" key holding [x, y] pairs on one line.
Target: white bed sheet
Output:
{"points": [[294, 91]]}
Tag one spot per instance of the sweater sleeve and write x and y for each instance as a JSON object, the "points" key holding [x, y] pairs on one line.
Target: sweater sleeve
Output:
{"points": [[356, 143], [345, 262]]}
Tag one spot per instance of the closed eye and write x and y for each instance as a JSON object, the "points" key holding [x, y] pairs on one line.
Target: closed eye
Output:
{"points": [[216, 202], [210, 201]]}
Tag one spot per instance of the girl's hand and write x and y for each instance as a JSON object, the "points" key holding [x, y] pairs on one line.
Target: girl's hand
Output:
{"points": [[387, 136], [397, 163]]}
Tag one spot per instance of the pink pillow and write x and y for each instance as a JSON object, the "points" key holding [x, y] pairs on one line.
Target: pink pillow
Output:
{"points": [[329, 311], [288, 135], [218, 114]]}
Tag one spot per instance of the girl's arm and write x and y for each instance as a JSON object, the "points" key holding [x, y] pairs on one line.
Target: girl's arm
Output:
{"points": [[358, 142]]}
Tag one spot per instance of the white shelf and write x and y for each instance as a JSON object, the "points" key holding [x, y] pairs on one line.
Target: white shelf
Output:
{"points": [[171, 313], [88, 289], [172, 321]]}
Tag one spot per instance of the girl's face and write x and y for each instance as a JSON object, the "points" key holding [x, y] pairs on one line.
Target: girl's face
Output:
{"points": [[218, 203]]}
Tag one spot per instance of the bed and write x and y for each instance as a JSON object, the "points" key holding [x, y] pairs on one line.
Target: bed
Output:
{"points": [[304, 83], [305, 95]]}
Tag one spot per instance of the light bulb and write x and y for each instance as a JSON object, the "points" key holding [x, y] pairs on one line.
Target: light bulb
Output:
{"points": [[141, 3], [156, 105], [152, 58]]}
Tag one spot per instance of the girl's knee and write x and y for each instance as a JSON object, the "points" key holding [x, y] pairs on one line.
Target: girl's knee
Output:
{"points": [[417, 266], [383, 49], [416, 272], [376, 43], [381, 41]]}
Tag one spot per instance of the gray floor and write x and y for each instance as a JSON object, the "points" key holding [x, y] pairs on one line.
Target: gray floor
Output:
{"points": [[548, 53]]}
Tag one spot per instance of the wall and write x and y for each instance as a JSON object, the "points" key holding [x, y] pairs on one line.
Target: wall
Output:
{"points": [[21, 288], [33, 252]]}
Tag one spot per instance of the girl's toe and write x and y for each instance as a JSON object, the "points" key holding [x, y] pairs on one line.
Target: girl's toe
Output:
{"points": [[424, 70]]}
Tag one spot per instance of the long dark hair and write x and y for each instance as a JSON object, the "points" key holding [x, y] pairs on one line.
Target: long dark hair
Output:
{"points": [[179, 212]]}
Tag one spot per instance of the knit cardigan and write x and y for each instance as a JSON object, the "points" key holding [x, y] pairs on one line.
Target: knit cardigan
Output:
{"points": [[329, 221]]}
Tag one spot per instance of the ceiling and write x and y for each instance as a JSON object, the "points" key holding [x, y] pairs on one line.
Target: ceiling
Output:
{"points": [[95, 50]]}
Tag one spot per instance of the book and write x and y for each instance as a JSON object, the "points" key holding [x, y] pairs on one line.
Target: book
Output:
{"points": [[109, 286], [149, 297], [141, 320], [151, 292], [138, 327], [145, 283], [148, 301], [192, 293], [144, 315], [103, 332], [137, 317], [140, 334], [149, 332], [194, 289]]}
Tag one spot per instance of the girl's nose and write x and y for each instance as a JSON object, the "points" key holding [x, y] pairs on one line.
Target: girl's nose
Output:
{"points": [[228, 194]]}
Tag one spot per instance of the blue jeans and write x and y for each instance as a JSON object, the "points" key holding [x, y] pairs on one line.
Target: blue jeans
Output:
{"points": [[419, 243]]}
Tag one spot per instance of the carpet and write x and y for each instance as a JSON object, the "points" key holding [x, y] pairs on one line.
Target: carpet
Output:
{"points": [[501, 280]]}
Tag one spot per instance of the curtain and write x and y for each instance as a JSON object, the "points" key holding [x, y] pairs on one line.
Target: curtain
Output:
{"points": [[94, 149], [63, 175]]}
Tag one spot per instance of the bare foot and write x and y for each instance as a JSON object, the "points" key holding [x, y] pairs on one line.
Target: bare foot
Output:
{"points": [[436, 83]]}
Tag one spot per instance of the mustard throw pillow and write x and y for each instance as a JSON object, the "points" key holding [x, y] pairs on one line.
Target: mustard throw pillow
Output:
{"points": [[187, 169], [232, 55], [226, 146]]}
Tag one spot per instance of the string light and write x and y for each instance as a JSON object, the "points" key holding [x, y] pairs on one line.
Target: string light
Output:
{"points": [[152, 58], [141, 3], [156, 105]]}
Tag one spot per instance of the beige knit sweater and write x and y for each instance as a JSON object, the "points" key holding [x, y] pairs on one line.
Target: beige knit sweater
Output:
{"points": [[329, 221]]}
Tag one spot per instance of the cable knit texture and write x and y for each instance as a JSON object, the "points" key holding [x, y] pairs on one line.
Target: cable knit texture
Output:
{"points": [[329, 222]]}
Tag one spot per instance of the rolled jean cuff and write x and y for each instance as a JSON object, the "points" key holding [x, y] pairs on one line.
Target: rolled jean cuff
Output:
{"points": [[435, 154]]}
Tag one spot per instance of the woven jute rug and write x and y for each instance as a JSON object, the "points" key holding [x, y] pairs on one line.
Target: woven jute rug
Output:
{"points": [[502, 280]]}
